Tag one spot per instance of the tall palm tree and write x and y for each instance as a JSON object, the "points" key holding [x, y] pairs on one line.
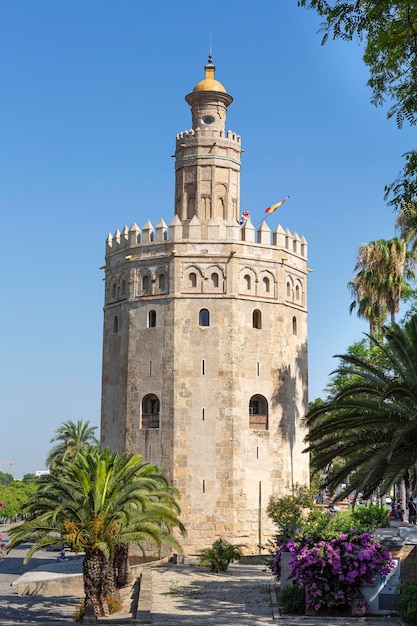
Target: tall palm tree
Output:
{"points": [[383, 268], [72, 438], [98, 503], [371, 423], [368, 306]]}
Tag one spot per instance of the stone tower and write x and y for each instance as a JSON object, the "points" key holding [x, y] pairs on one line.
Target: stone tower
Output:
{"points": [[205, 341]]}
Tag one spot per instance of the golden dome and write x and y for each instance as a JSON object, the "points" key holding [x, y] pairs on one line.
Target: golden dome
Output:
{"points": [[209, 83]]}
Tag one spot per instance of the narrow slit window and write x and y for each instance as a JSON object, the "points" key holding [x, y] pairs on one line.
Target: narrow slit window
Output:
{"points": [[115, 324]]}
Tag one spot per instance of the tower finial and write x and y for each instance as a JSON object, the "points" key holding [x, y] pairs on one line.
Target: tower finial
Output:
{"points": [[210, 56]]}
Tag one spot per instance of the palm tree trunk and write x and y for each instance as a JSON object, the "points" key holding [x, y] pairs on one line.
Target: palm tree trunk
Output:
{"points": [[93, 565], [121, 565]]}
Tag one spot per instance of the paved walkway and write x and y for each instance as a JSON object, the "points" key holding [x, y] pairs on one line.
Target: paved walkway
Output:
{"points": [[182, 595]]}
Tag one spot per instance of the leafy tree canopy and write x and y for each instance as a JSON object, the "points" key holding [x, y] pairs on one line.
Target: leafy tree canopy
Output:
{"points": [[29, 478], [6, 478], [388, 30], [15, 497]]}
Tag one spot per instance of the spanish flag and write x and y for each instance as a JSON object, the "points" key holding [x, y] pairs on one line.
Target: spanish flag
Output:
{"points": [[273, 207]]}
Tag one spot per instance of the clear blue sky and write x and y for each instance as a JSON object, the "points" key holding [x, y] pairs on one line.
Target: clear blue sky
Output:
{"points": [[91, 98]]}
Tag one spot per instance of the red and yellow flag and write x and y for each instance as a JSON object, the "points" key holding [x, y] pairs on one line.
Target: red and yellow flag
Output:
{"points": [[273, 207]]}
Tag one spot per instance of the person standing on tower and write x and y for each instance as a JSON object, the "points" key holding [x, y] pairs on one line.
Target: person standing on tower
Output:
{"points": [[244, 217]]}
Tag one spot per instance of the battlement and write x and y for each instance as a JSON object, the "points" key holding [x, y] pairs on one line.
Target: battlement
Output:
{"points": [[148, 235], [206, 133]]}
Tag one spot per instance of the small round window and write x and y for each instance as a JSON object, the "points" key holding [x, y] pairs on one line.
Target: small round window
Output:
{"points": [[208, 120]]}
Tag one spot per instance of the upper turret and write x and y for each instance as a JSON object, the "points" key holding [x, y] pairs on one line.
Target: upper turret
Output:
{"points": [[208, 101], [207, 160]]}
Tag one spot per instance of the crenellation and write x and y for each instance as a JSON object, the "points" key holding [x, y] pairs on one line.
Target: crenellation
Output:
{"points": [[264, 234], [124, 237], [194, 229], [199, 134], [140, 239], [278, 237], [134, 235], [148, 233], [161, 231], [248, 232]]}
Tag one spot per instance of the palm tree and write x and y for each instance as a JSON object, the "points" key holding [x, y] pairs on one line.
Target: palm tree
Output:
{"points": [[368, 306], [383, 268], [218, 557], [98, 503], [72, 438], [371, 423]]}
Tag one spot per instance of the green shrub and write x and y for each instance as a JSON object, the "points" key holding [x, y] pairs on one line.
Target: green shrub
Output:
{"points": [[287, 511], [221, 553], [372, 516], [292, 599], [406, 598]]}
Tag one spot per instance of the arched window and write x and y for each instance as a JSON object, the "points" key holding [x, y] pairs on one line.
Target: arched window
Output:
{"points": [[193, 279], [152, 319], [204, 317], [123, 288], [114, 291], [247, 280], [150, 411], [258, 413], [288, 290], [161, 282], [267, 284], [256, 319], [215, 280], [297, 292], [294, 325], [115, 324], [145, 284]]}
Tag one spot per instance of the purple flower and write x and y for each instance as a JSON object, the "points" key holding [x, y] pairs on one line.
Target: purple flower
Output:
{"points": [[332, 571]]}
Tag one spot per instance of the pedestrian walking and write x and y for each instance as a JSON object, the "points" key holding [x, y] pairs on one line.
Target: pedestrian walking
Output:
{"points": [[412, 511]]}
